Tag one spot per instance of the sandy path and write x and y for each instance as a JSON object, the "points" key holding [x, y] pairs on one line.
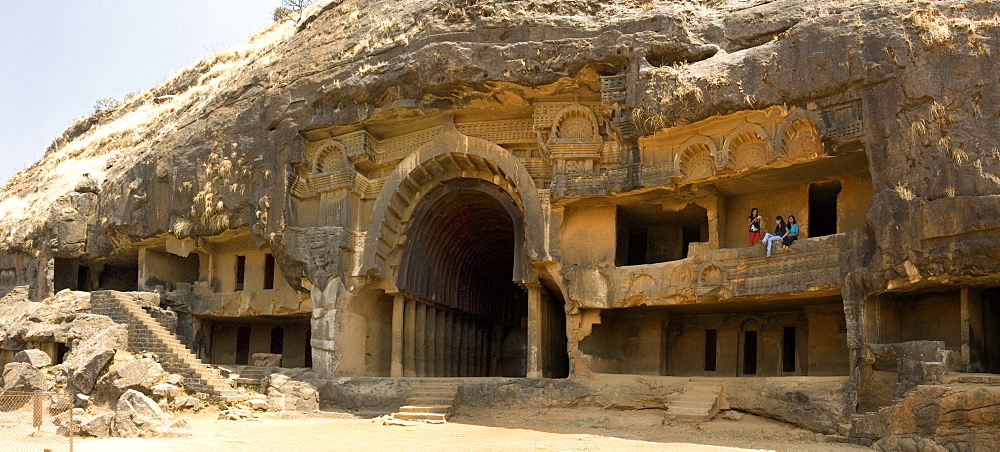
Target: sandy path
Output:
{"points": [[365, 435]]}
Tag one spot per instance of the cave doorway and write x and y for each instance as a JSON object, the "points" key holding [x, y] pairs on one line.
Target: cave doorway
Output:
{"points": [[991, 331], [749, 347], [464, 311], [823, 208]]}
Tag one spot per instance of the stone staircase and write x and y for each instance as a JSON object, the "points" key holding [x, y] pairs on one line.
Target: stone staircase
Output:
{"points": [[431, 401], [250, 377], [699, 401], [145, 334]]}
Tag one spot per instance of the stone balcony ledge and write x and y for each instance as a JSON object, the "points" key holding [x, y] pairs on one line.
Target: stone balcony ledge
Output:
{"points": [[810, 269]]}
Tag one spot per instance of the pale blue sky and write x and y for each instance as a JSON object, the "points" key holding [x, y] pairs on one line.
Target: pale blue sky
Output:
{"points": [[59, 56]]}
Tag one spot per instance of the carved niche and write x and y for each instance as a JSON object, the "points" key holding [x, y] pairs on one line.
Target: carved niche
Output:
{"points": [[575, 142]]}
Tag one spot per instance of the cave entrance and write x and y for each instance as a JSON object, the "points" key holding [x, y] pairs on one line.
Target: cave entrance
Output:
{"points": [[462, 309], [991, 331], [823, 208]]}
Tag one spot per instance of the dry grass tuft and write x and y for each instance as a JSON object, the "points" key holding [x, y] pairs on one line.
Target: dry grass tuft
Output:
{"points": [[904, 192]]}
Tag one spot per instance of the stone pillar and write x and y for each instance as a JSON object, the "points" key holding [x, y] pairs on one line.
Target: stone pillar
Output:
{"points": [[430, 334], [409, 338], [439, 349], [396, 368], [449, 349], [463, 346], [965, 327], [534, 331], [421, 340], [456, 338], [484, 356]]}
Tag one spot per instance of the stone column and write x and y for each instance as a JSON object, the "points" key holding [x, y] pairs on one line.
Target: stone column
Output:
{"points": [[430, 336], [534, 331], [439, 349], [396, 368], [409, 338], [965, 327], [463, 346], [421, 340], [449, 349]]}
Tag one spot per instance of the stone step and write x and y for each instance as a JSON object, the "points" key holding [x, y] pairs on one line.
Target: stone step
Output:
{"points": [[437, 409], [421, 390], [700, 404], [430, 400], [420, 417]]}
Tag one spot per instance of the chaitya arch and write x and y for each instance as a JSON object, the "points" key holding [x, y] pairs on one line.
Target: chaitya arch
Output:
{"points": [[451, 239]]}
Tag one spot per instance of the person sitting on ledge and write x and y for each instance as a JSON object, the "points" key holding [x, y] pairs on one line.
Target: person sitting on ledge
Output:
{"points": [[779, 233], [791, 235]]}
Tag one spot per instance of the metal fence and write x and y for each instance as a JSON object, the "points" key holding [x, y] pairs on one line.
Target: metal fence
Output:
{"points": [[27, 422]]}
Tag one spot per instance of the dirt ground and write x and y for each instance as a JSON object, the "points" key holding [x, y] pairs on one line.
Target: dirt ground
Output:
{"points": [[490, 430]]}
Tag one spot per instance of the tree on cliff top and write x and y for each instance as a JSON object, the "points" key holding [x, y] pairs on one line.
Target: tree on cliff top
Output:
{"points": [[290, 7]]}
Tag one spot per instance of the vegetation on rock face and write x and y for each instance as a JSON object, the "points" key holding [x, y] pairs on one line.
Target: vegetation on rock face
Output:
{"points": [[105, 103], [288, 8]]}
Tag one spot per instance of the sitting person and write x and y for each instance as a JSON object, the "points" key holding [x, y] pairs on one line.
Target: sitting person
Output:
{"points": [[779, 233], [791, 235]]}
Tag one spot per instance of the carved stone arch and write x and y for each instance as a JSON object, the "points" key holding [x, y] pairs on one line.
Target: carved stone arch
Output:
{"points": [[330, 159], [575, 123], [799, 135], [711, 275], [751, 323], [449, 156], [746, 146], [696, 159]]}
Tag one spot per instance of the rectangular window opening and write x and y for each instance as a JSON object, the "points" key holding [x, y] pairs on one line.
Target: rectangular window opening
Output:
{"points": [[711, 349], [823, 208], [269, 271], [750, 353], [788, 350], [243, 345], [649, 235], [241, 272]]}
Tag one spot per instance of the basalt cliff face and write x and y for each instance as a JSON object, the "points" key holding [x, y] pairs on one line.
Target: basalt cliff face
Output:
{"points": [[312, 139]]}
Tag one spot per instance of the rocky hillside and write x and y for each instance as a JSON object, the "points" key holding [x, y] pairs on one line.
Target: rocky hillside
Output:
{"points": [[213, 147]]}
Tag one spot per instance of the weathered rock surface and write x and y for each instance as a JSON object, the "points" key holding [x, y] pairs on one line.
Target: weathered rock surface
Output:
{"points": [[87, 361], [36, 358], [907, 443], [23, 377], [165, 392], [97, 425], [138, 374], [814, 403], [957, 416], [285, 394], [266, 359], [138, 415]]}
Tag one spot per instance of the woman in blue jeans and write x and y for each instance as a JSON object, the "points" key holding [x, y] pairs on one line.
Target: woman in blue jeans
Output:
{"points": [[779, 231]]}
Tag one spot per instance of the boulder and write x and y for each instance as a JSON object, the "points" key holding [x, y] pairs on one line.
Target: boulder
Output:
{"points": [[907, 443], [818, 404], [60, 403], [82, 327], [97, 425], [88, 359], [174, 379], [285, 394], [166, 392], [139, 374], [37, 358], [137, 416], [22, 377], [186, 403], [266, 359]]}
